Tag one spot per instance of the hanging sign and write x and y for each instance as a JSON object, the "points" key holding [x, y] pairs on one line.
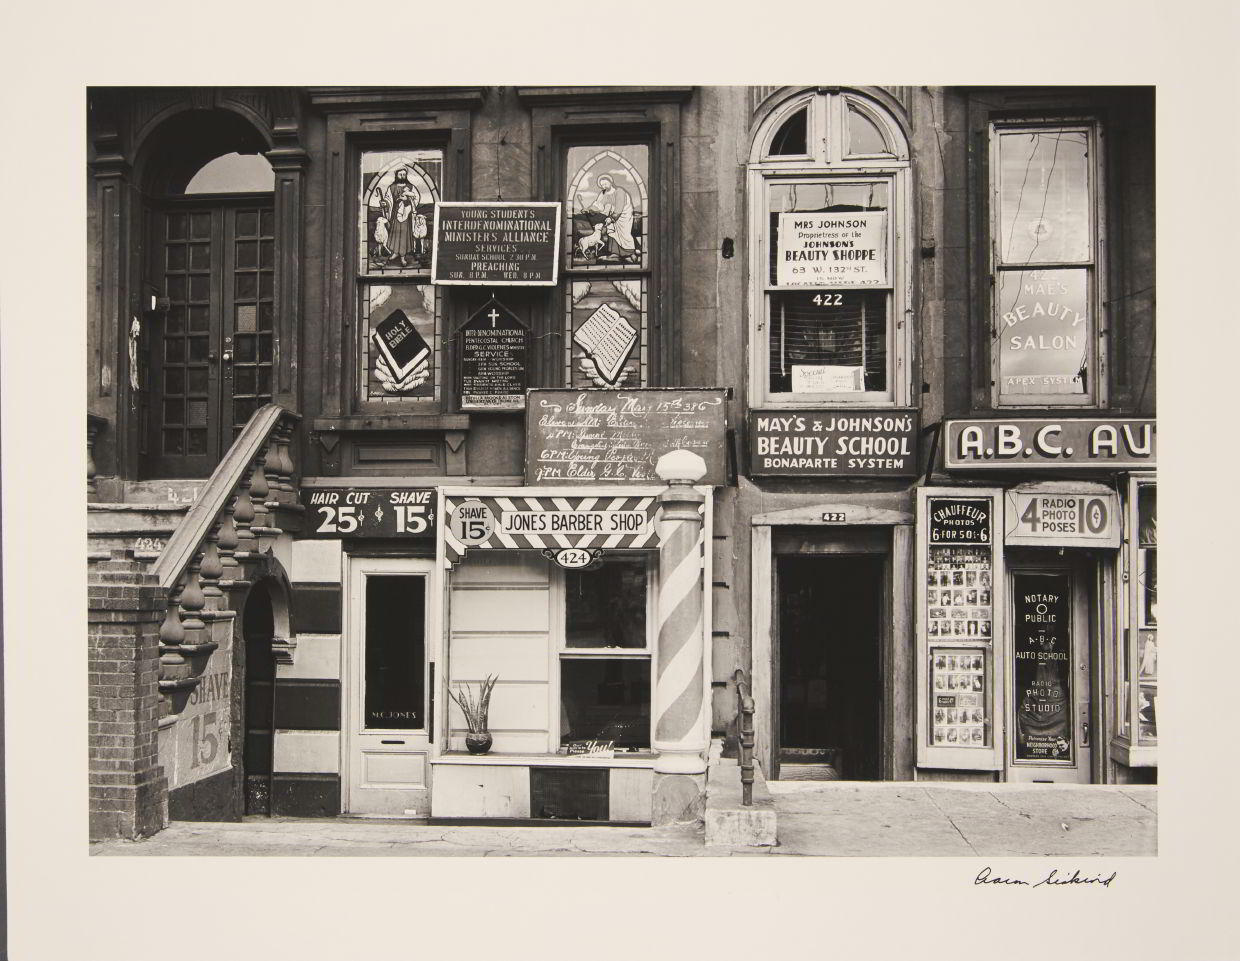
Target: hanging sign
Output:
{"points": [[1062, 518], [1115, 443], [617, 436], [576, 558], [552, 524], [818, 443], [832, 250], [494, 360], [1042, 666], [496, 242], [348, 512]]}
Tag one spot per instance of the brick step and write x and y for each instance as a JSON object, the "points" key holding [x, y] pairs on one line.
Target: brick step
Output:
{"points": [[174, 491], [151, 519]]}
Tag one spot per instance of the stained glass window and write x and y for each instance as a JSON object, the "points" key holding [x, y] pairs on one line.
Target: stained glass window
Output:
{"points": [[607, 342], [397, 210], [607, 207], [399, 349], [399, 342]]}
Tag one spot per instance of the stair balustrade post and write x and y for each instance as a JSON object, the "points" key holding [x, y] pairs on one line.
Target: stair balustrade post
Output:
{"points": [[243, 515], [227, 543], [259, 489]]}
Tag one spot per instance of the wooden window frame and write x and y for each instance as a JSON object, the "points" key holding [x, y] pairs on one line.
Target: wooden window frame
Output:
{"points": [[828, 161], [1096, 266]]}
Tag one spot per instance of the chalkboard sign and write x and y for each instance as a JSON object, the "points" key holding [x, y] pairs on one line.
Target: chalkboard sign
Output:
{"points": [[498, 243], [617, 436], [494, 349]]}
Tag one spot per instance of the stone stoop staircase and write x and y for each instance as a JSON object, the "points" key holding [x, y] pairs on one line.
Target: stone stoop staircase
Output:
{"points": [[143, 519], [729, 822]]}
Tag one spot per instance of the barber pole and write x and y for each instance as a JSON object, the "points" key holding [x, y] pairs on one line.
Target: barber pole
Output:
{"points": [[679, 738]]}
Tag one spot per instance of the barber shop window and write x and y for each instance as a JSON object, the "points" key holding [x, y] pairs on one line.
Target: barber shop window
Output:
{"points": [[1045, 228], [605, 658], [829, 200]]}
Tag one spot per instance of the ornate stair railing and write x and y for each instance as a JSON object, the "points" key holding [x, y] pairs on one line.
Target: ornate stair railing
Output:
{"points": [[233, 518], [744, 731]]}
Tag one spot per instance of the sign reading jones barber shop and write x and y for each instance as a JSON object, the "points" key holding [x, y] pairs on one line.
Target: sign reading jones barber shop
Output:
{"points": [[817, 443]]}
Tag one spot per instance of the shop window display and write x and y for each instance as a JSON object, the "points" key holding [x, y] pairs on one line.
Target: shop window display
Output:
{"points": [[605, 663]]}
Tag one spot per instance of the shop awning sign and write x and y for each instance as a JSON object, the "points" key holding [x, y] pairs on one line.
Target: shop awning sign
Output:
{"points": [[1062, 518], [548, 524], [1036, 444]]}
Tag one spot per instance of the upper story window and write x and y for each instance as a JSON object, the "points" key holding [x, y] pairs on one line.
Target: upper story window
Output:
{"points": [[1045, 222], [607, 265], [829, 199], [400, 329]]}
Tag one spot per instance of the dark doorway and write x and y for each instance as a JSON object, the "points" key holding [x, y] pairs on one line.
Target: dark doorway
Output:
{"points": [[258, 627], [830, 666]]}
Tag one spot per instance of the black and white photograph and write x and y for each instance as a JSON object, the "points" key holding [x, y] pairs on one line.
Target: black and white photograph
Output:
{"points": [[480, 479]]}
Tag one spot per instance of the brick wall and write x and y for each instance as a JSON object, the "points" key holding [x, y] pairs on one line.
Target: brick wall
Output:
{"points": [[128, 790]]}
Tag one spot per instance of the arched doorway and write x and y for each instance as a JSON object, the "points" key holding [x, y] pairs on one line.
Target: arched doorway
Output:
{"points": [[210, 266], [258, 629]]}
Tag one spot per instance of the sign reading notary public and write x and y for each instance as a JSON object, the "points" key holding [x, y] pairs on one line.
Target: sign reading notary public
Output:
{"points": [[396, 512], [494, 360], [818, 443], [1114, 443], [832, 249], [497, 243], [617, 436]]}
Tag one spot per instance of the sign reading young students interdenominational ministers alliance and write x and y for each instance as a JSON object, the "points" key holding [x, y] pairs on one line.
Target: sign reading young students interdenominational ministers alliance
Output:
{"points": [[497, 243]]}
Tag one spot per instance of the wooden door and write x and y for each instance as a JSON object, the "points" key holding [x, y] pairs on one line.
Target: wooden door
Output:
{"points": [[387, 683], [1049, 673], [212, 348]]}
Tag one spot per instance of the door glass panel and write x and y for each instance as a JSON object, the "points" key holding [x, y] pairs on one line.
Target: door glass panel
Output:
{"points": [[1042, 667], [395, 652]]}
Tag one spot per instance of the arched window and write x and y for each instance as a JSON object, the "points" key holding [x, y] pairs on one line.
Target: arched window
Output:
{"points": [[829, 202]]}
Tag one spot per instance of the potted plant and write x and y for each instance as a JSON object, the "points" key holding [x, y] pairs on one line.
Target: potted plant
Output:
{"points": [[478, 740]]}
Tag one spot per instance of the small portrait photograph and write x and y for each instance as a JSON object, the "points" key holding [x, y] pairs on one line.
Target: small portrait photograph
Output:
{"points": [[958, 597], [938, 612], [957, 578], [938, 715], [985, 628], [983, 596], [945, 597], [970, 578], [972, 628], [932, 628], [940, 735], [983, 579], [939, 662], [940, 682], [932, 595], [951, 662], [958, 628], [970, 596], [977, 662], [977, 735], [951, 735], [977, 682], [977, 715], [959, 612]]}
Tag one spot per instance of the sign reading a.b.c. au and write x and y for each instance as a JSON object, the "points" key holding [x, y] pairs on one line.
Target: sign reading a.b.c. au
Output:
{"points": [[496, 243]]}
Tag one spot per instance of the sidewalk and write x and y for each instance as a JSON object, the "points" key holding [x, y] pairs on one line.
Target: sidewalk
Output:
{"points": [[848, 819]]}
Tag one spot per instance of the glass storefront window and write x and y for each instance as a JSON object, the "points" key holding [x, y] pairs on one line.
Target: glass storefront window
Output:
{"points": [[1147, 614]]}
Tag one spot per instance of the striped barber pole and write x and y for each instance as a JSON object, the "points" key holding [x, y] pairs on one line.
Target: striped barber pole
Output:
{"points": [[510, 521], [679, 699]]}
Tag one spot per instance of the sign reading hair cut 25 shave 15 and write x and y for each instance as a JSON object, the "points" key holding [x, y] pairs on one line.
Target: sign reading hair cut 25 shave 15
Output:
{"points": [[349, 512]]}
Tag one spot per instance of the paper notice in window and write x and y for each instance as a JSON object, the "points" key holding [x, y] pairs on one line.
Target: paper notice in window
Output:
{"points": [[608, 339], [826, 379]]}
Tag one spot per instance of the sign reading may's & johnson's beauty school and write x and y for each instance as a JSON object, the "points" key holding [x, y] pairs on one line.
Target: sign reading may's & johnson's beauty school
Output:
{"points": [[616, 436], [497, 243], [347, 512], [824, 443], [1111, 444]]}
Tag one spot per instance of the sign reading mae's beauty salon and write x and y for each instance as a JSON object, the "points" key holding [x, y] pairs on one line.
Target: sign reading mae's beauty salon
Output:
{"points": [[832, 250], [1112, 444]]}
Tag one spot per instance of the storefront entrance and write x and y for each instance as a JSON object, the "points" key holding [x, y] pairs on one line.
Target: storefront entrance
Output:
{"points": [[387, 729], [1051, 633], [830, 678]]}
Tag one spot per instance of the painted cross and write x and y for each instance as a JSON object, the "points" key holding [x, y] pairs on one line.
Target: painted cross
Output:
{"points": [[493, 316]]}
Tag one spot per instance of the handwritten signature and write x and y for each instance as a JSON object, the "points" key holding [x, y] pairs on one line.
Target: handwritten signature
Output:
{"points": [[985, 876]]}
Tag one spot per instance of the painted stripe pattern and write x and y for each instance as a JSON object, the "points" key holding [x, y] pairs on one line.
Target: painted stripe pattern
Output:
{"points": [[680, 656], [498, 539]]}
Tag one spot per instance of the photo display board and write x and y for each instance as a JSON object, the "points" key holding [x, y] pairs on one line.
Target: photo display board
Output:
{"points": [[959, 572]]}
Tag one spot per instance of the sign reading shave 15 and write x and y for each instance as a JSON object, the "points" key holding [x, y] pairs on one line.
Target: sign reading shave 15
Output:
{"points": [[1117, 443], [340, 512]]}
